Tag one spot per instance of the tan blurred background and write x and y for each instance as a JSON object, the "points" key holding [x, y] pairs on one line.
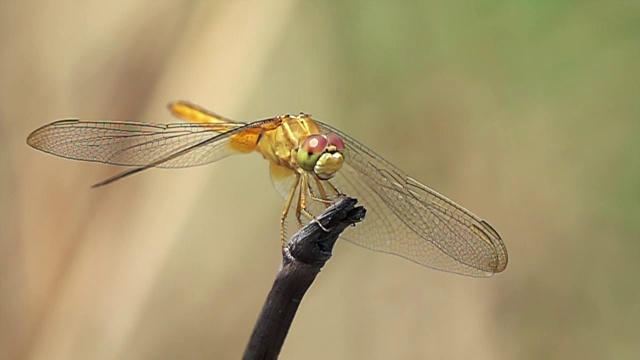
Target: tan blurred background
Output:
{"points": [[527, 113]]}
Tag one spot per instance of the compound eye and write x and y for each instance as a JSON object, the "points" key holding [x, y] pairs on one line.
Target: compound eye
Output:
{"points": [[310, 151], [336, 140], [314, 144]]}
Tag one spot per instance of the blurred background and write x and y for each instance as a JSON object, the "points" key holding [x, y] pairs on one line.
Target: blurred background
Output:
{"points": [[525, 112]]}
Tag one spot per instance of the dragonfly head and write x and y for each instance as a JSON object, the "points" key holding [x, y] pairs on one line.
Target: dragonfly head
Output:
{"points": [[322, 154]]}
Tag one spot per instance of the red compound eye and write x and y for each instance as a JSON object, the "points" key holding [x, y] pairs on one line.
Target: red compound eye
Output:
{"points": [[335, 140], [314, 144]]}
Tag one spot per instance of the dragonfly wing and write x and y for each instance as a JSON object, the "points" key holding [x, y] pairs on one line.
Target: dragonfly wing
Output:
{"points": [[408, 219], [283, 179], [139, 144]]}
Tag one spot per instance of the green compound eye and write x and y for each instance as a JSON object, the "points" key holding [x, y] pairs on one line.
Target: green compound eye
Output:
{"points": [[310, 151]]}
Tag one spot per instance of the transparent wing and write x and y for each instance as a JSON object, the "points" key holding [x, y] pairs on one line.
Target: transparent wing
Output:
{"points": [[408, 219], [138, 144]]}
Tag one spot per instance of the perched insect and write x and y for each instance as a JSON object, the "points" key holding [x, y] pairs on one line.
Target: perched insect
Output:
{"points": [[311, 164]]}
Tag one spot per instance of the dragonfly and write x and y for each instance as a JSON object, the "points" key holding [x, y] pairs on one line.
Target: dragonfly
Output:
{"points": [[311, 165]]}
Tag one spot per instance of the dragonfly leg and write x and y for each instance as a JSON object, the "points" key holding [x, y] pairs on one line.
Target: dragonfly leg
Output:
{"points": [[315, 220], [285, 211], [335, 189], [306, 187], [323, 194], [302, 201]]}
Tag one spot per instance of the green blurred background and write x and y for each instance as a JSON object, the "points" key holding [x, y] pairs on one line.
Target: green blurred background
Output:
{"points": [[525, 112]]}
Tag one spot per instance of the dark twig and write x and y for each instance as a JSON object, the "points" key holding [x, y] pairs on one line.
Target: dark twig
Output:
{"points": [[302, 259]]}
